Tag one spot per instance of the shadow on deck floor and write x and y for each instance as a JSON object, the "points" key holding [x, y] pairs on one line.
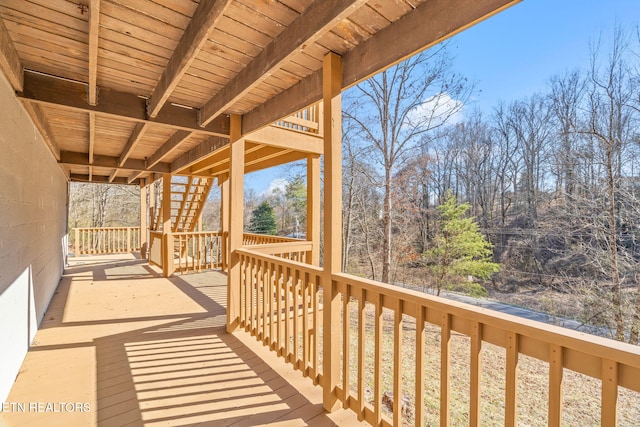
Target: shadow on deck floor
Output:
{"points": [[120, 345]]}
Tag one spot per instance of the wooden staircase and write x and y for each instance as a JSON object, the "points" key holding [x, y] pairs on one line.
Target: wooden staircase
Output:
{"points": [[188, 197]]}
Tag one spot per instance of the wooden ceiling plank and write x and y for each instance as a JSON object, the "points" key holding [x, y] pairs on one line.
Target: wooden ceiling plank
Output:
{"points": [[427, 25], [134, 138], [171, 144], [10, 63], [195, 36], [111, 162], [94, 32], [306, 29], [49, 90]]}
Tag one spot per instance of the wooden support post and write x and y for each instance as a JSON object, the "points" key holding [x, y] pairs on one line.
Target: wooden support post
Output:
{"points": [[144, 240], [77, 252], [224, 220], [332, 126], [313, 209], [236, 202], [167, 237]]}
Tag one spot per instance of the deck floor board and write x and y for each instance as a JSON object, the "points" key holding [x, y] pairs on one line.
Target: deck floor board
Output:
{"points": [[140, 350]]}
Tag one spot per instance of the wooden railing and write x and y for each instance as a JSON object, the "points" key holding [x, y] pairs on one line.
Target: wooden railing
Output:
{"points": [[296, 250], [249, 239], [106, 240], [197, 251], [306, 120], [281, 304]]}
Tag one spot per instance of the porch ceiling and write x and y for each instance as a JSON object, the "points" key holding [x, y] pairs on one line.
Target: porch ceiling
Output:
{"points": [[152, 82]]}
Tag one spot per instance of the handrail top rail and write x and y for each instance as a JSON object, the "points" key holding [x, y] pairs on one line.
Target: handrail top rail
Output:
{"points": [[300, 244], [270, 236], [104, 228], [196, 233], [552, 334], [305, 268]]}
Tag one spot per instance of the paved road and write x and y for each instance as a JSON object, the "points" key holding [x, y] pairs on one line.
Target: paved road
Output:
{"points": [[527, 314]]}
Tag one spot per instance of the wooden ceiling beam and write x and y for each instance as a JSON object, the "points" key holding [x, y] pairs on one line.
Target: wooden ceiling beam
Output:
{"points": [[94, 31], [275, 136], [10, 64], [430, 23], [172, 143], [198, 153], [49, 90], [111, 162], [92, 136], [195, 36], [134, 138], [113, 175], [101, 179], [42, 124], [314, 22]]}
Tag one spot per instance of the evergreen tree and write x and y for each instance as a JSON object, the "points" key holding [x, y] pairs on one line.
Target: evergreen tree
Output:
{"points": [[459, 249], [263, 220]]}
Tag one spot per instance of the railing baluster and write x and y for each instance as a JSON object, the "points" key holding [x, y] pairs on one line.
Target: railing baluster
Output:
{"points": [[315, 296], [556, 366], [259, 299], [476, 373], [361, 349], [445, 364], [511, 387], [296, 317], [287, 317], [279, 309], [346, 340], [419, 401], [377, 382], [397, 364], [305, 323], [265, 299], [609, 407]]}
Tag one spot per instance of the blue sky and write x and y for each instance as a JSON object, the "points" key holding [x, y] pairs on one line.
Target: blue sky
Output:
{"points": [[513, 54]]}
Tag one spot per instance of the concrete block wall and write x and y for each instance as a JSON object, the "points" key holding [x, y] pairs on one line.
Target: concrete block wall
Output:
{"points": [[33, 216]]}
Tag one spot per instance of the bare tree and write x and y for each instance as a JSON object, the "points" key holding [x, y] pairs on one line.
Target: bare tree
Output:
{"points": [[394, 109]]}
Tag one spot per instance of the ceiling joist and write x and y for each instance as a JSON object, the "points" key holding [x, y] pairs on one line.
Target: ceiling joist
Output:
{"points": [[430, 23], [44, 89], [10, 63], [94, 30], [203, 21], [134, 138], [101, 179], [316, 21], [72, 158]]}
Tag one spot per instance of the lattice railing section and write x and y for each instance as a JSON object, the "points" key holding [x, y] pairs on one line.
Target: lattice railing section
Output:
{"points": [[429, 353], [106, 240]]}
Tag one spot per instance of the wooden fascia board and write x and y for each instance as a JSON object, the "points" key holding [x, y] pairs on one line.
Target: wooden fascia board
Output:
{"points": [[172, 143], [284, 138], [44, 89], [101, 179], [193, 39], [80, 159], [94, 36], [310, 26], [429, 24], [10, 63]]}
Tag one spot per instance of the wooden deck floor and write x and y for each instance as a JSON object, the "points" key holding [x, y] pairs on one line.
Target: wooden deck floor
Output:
{"points": [[119, 346]]}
